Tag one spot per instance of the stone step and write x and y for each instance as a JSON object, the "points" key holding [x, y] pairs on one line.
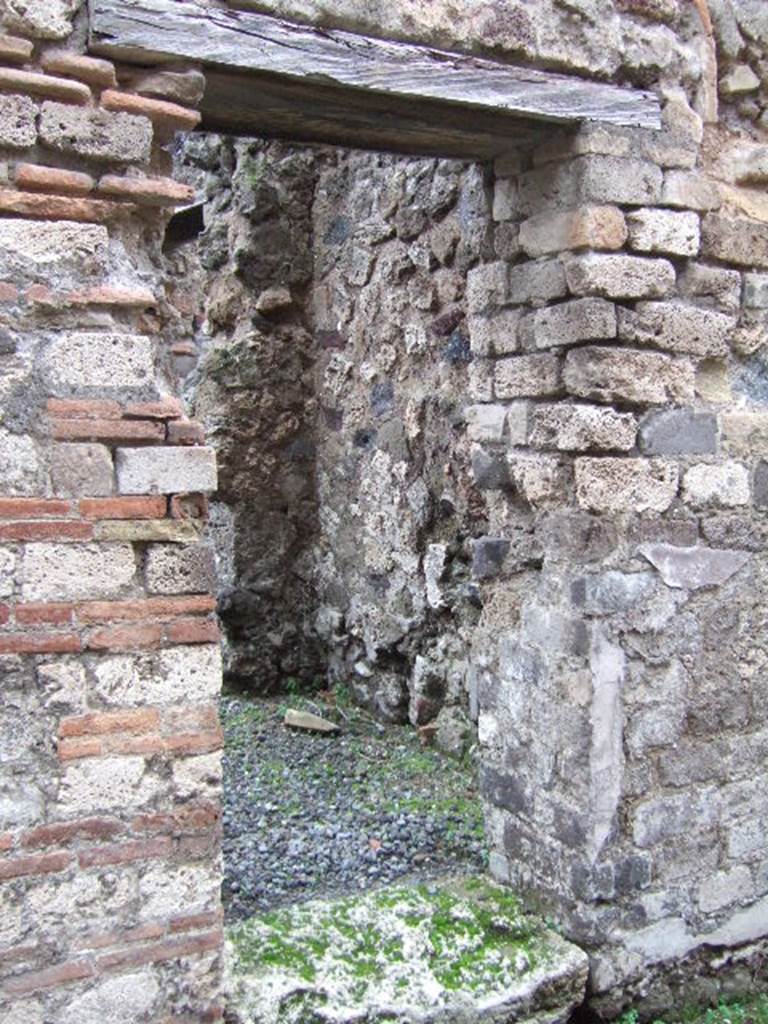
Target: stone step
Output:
{"points": [[457, 952]]}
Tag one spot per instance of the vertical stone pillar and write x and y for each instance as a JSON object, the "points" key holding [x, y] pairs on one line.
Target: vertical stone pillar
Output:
{"points": [[622, 713], [109, 743]]}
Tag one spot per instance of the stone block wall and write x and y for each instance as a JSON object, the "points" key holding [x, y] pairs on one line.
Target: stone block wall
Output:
{"points": [[619, 391], [109, 660]]}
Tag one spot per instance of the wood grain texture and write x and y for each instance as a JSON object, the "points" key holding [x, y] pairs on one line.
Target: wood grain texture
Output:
{"points": [[323, 71]]}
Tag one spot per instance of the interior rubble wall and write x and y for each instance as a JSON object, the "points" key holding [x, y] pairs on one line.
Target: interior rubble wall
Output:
{"points": [[617, 385], [332, 382]]}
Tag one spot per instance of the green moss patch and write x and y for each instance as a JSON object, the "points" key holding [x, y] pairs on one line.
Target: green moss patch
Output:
{"points": [[381, 955]]}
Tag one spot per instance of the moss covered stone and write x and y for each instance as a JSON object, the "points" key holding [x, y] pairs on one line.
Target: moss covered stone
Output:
{"points": [[461, 951]]}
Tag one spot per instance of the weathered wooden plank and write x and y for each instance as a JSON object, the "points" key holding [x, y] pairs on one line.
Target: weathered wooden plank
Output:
{"points": [[152, 30], [243, 104]]}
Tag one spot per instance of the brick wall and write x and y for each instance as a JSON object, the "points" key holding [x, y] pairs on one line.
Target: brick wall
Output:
{"points": [[110, 743]]}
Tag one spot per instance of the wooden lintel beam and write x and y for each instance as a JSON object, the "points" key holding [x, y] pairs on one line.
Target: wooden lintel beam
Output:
{"points": [[314, 62]]}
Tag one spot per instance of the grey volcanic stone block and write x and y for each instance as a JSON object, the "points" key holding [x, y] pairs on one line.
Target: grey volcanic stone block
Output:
{"points": [[490, 470], [488, 554], [695, 567], [760, 485], [679, 432]]}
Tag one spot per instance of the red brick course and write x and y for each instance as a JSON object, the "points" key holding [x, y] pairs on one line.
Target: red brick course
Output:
{"points": [[109, 431], [34, 84], [46, 530], [44, 614], [35, 178], [84, 408], [39, 643], [87, 69], [33, 508], [61, 833], [100, 723], [34, 864], [168, 949], [146, 191], [50, 977], [126, 853], [51, 207], [161, 112], [123, 508]]}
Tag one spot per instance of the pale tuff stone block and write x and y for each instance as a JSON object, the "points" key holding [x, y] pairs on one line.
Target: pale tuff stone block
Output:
{"points": [[756, 291], [627, 375], [745, 433], [589, 319], [198, 777], [538, 282], [7, 571], [724, 889], [170, 676], [165, 891], [713, 285], [735, 240], [593, 227], [49, 251], [96, 134], [741, 80], [619, 277], [180, 570], [41, 19], [84, 360], [721, 486], [591, 179], [527, 376], [165, 470], [581, 427], [677, 327], [504, 199], [625, 485], [690, 191], [486, 422], [487, 287], [23, 471], [121, 1000], [539, 478], [494, 335], [66, 572], [79, 470], [105, 783], [654, 230], [18, 122]]}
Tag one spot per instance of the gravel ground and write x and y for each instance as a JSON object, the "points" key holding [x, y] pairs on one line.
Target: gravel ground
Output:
{"points": [[307, 815]]}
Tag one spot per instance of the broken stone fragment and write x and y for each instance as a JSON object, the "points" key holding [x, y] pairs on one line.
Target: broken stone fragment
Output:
{"points": [[739, 81], [694, 567], [274, 300], [308, 722]]}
